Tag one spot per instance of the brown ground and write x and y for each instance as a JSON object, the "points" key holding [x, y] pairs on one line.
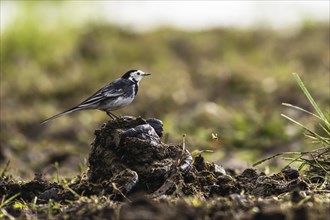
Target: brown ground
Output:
{"points": [[133, 175]]}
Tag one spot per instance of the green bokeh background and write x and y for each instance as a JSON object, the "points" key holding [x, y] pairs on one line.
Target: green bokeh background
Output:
{"points": [[223, 81]]}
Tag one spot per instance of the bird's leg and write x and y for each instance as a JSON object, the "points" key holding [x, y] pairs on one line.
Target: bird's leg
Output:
{"points": [[112, 116]]}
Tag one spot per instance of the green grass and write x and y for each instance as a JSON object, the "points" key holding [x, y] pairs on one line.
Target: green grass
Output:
{"points": [[324, 122], [316, 160]]}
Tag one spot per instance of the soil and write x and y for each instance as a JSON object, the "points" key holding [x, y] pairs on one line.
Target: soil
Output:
{"points": [[132, 174]]}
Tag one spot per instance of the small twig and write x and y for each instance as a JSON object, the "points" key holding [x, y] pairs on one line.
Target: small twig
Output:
{"points": [[196, 153], [183, 149], [279, 154], [120, 192], [183, 142], [268, 158], [5, 213], [72, 191]]}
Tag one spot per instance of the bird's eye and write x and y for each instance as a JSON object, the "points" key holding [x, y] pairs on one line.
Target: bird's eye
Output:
{"points": [[138, 73]]}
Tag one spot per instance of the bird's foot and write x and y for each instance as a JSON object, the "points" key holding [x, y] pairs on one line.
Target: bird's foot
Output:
{"points": [[112, 116]]}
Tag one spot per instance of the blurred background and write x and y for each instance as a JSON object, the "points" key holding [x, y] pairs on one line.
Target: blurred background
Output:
{"points": [[220, 71]]}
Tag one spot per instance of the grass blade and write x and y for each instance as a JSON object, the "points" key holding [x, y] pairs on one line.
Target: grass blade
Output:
{"points": [[311, 100], [5, 202], [301, 109]]}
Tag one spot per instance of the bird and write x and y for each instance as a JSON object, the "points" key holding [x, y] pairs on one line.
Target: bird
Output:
{"points": [[115, 95]]}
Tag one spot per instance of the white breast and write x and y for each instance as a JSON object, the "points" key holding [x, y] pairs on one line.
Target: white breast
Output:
{"points": [[118, 103]]}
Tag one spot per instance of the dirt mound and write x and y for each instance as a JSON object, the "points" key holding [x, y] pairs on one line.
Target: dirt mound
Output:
{"points": [[132, 174]]}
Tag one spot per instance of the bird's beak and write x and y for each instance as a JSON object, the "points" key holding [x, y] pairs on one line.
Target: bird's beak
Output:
{"points": [[146, 74]]}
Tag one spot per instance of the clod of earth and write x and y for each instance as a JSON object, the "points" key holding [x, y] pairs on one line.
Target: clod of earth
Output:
{"points": [[129, 153]]}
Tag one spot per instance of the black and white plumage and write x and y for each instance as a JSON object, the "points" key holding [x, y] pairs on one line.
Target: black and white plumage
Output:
{"points": [[115, 95]]}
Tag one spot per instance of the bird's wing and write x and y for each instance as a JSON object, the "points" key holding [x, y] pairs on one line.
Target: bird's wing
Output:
{"points": [[112, 90]]}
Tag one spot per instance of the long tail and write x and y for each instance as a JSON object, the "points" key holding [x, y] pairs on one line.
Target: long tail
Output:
{"points": [[77, 108]]}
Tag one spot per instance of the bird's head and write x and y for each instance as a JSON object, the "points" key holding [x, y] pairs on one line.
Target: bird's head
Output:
{"points": [[134, 75]]}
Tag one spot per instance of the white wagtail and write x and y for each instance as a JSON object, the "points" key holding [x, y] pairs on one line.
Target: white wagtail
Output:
{"points": [[115, 95]]}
